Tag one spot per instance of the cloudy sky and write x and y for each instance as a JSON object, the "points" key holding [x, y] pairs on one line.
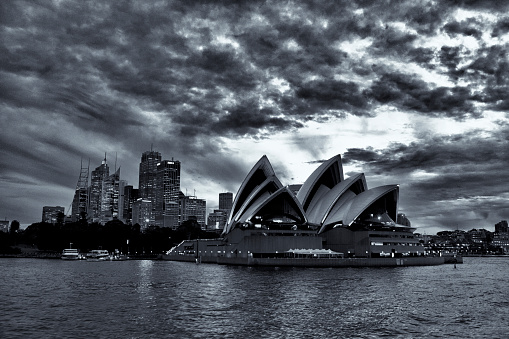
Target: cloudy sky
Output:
{"points": [[412, 93]]}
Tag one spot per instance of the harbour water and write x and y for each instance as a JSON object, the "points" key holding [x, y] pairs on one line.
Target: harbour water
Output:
{"points": [[160, 299]]}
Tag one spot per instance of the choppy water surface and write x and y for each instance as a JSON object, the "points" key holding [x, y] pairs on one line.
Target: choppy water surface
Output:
{"points": [[157, 299]]}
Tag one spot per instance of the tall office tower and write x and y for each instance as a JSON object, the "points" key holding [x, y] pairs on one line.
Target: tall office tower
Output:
{"points": [[110, 197], [192, 207], [142, 212], [225, 201], [220, 216], [96, 185], [130, 196], [121, 191], [148, 171], [80, 200], [166, 203], [52, 214]]}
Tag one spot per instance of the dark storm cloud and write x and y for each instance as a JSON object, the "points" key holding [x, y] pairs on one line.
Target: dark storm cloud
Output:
{"points": [[435, 152], [407, 91], [450, 180], [501, 27], [490, 65], [422, 56], [453, 160], [492, 5], [464, 27], [393, 41], [332, 94], [360, 155]]}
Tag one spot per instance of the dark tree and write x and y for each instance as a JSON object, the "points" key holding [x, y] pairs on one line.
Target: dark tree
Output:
{"points": [[60, 218], [14, 226], [189, 229]]}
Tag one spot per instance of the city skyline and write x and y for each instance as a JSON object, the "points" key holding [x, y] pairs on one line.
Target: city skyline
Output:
{"points": [[408, 93]]}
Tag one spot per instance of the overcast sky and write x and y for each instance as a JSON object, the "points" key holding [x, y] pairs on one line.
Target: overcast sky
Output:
{"points": [[412, 93]]}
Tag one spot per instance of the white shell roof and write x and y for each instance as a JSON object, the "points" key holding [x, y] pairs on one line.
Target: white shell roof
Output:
{"points": [[325, 197], [262, 192], [260, 203], [262, 165], [306, 192], [349, 211]]}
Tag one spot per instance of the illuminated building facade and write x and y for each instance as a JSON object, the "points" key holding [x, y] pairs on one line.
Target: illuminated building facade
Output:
{"points": [[110, 197], [147, 175], [191, 206], [167, 189], [99, 175], [142, 212], [52, 214]]}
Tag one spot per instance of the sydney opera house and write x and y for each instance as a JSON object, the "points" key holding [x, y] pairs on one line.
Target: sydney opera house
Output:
{"points": [[327, 221]]}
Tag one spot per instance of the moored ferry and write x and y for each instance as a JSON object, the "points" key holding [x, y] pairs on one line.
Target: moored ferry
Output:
{"points": [[98, 255], [71, 254]]}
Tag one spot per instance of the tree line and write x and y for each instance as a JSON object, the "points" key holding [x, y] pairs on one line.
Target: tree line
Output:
{"points": [[113, 236]]}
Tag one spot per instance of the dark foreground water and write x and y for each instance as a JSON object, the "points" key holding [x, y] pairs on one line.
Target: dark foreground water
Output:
{"points": [[157, 299]]}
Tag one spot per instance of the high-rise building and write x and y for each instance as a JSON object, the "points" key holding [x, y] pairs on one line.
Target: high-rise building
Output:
{"points": [[191, 206], [110, 197], [100, 174], [80, 201], [148, 173], [53, 214], [130, 196], [167, 188], [142, 212], [218, 218], [225, 201], [147, 179], [121, 197]]}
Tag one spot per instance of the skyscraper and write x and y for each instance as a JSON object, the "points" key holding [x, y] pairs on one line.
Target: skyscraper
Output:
{"points": [[147, 176], [80, 200], [142, 212], [96, 186], [130, 196], [225, 201], [110, 197], [167, 188], [121, 199]]}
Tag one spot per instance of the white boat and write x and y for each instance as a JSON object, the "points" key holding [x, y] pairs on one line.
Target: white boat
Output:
{"points": [[98, 255], [71, 254]]}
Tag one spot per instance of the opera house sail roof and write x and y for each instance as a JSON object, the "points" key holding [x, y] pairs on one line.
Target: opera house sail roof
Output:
{"points": [[325, 200]]}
